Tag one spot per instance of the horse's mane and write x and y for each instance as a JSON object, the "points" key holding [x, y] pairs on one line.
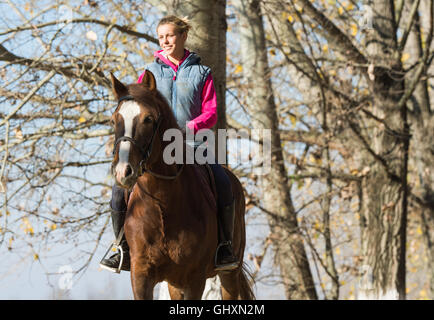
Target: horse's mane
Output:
{"points": [[150, 98]]}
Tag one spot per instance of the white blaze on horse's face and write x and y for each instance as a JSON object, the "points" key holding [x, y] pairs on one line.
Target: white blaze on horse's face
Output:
{"points": [[129, 110]]}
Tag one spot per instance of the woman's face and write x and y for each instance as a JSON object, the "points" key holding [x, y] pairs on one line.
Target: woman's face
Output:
{"points": [[171, 41]]}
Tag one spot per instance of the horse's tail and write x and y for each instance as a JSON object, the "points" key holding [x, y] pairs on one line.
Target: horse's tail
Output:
{"points": [[246, 284]]}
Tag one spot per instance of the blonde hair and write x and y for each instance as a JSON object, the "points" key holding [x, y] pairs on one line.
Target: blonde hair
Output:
{"points": [[181, 24]]}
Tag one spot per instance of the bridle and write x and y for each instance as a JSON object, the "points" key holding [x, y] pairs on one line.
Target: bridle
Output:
{"points": [[146, 152]]}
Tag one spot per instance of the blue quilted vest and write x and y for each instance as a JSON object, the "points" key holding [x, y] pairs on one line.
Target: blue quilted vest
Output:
{"points": [[183, 89]]}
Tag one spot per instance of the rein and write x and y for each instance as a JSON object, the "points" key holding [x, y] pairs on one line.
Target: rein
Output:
{"points": [[146, 153]]}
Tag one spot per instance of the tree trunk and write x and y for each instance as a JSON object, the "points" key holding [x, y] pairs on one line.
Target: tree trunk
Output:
{"points": [[384, 217], [422, 127], [290, 252], [303, 74]]}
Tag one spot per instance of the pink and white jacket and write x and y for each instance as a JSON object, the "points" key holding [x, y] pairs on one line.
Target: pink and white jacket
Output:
{"points": [[206, 118]]}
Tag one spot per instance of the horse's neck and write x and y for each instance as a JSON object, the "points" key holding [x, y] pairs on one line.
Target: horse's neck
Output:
{"points": [[161, 168]]}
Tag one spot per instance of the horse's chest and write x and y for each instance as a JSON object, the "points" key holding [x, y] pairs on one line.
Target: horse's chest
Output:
{"points": [[182, 246]]}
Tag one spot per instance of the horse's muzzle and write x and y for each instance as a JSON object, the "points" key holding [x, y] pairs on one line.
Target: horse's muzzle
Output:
{"points": [[125, 177]]}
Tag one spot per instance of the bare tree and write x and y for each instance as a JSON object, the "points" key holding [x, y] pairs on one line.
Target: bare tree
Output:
{"points": [[288, 242], [345, 87]]}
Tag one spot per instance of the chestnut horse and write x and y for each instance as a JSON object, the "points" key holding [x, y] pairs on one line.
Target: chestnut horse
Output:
{"points": [[171, 221]]}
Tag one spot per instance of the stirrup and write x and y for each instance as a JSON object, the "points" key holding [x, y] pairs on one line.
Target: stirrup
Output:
{"points": [[227, 266], [118, 247], [116, 244]]}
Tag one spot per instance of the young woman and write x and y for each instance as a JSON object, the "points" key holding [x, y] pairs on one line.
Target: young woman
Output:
{"points": [[188, 87]]}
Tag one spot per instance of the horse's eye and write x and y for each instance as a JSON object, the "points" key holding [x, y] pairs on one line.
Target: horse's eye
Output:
{"points": [[148, 119]]}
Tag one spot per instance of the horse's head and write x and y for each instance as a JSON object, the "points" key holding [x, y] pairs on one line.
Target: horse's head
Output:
{"points": [[136, 122]]}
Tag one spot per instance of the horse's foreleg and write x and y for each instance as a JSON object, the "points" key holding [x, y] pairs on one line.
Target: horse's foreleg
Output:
{"points": [[195, 290], [143, 285], [143, 288], [175, 293]]}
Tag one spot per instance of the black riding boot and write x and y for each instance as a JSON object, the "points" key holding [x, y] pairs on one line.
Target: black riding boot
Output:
{"points": [[112, 263], [224, 258]]}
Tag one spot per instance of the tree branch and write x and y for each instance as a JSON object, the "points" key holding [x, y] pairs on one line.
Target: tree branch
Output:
{"points": [[123, 29], [334, 35]]}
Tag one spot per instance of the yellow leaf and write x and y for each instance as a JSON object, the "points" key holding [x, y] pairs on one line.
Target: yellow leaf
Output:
{"points": [[423, 294], [53, 226], [419, 230], [273, 52], [405, 57], [18, 133], [325, 48], [354, 29], [293, 119], [82, 119], [36, 256], [290, 19], [298, 34], [341, 10], [238, 68]]}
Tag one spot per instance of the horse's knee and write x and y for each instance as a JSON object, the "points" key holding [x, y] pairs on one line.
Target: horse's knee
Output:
{"points": [[143, 286]]}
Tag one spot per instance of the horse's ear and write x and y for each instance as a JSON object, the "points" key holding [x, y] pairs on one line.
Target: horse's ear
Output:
{"points": [[119, 89], [148, 81]]}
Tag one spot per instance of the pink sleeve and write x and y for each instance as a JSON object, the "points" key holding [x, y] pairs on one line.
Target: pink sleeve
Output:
{"points": [[208, 118]]}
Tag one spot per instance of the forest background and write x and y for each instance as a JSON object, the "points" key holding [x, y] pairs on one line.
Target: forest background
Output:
{"points": [[346, 88]]}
